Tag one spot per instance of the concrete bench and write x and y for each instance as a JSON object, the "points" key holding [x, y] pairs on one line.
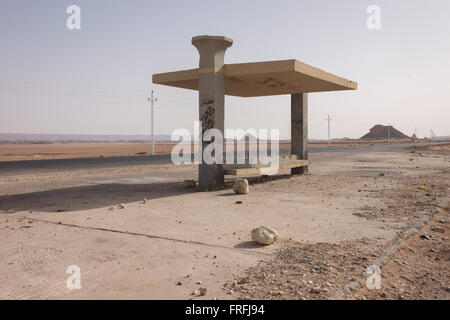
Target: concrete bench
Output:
{"points": [[242, 170]]}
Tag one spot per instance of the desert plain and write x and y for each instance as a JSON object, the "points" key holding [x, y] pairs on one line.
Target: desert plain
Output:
{"points": [[137, 231]]}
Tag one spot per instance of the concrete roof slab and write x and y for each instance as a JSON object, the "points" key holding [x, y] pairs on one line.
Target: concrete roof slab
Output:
{"points": [[262, 79]]}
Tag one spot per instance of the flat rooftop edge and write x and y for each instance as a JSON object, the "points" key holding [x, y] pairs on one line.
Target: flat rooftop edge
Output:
{"points": [[265, 78]]}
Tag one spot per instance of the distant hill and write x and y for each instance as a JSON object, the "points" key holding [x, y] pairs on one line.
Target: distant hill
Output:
{"points": [[383, 132]]}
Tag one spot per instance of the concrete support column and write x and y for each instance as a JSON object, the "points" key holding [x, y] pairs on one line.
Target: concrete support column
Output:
{"points": [[299, 129], [211, 88]]}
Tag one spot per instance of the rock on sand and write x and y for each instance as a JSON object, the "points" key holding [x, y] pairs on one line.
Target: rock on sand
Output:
{"points": [[240, 186], [264, 235]]}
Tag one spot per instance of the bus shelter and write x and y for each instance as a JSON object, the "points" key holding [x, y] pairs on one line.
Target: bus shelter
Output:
{"points": [[214, 79]]}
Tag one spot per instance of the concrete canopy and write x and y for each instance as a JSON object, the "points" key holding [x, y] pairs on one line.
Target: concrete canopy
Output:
{"points": [[262, 79]]}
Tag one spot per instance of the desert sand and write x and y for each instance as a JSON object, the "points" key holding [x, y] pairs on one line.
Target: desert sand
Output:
{"points": [[353, 210]]}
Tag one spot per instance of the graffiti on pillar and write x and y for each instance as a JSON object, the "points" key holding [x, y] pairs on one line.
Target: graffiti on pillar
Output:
{"points": [[208, 121], [208, 116], [207, 102]]}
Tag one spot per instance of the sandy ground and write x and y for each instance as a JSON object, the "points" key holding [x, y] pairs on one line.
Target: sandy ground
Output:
{"points": [[40, 151], [443, 147], [353, 210]]}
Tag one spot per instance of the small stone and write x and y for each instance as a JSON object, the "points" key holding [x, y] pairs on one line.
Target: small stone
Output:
{"points": [[315, 290], [179, 283], [121, 206], [144, 201], [199, 282], [111, 208], [240, 186], [264, 235], [203, 291], [424, 237]]}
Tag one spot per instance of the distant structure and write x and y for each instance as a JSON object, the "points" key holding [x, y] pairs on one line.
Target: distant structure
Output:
{"points": [[433, 136], [384, 132], [414, 137]]}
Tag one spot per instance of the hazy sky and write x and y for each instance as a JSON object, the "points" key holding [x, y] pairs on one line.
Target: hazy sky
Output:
{"points": [[96, 80]]}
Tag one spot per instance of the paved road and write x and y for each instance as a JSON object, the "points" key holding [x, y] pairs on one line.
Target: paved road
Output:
{"points": [[28, 166]]}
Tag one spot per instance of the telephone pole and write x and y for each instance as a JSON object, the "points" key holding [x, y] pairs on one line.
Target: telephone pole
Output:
{"points": [[152, 100], [329, 132], [389, 133]]}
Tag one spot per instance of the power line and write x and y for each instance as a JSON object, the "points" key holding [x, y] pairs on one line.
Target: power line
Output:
{"points": [[26, 91], [56, 93], [68, 85]]}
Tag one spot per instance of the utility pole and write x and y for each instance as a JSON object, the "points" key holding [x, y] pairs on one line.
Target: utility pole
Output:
{"points": [[152, 100], [329, 132], [389, 134]]}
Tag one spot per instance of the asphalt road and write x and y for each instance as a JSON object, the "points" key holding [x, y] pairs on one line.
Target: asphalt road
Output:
{"points": [[29, 166]]}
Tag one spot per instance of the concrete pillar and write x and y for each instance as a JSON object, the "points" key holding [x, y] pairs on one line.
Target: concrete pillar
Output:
{"points": [[211, 88], [299, 129]]}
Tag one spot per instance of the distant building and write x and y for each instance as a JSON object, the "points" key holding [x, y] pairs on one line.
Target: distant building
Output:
{"points": [[384, 132]]}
